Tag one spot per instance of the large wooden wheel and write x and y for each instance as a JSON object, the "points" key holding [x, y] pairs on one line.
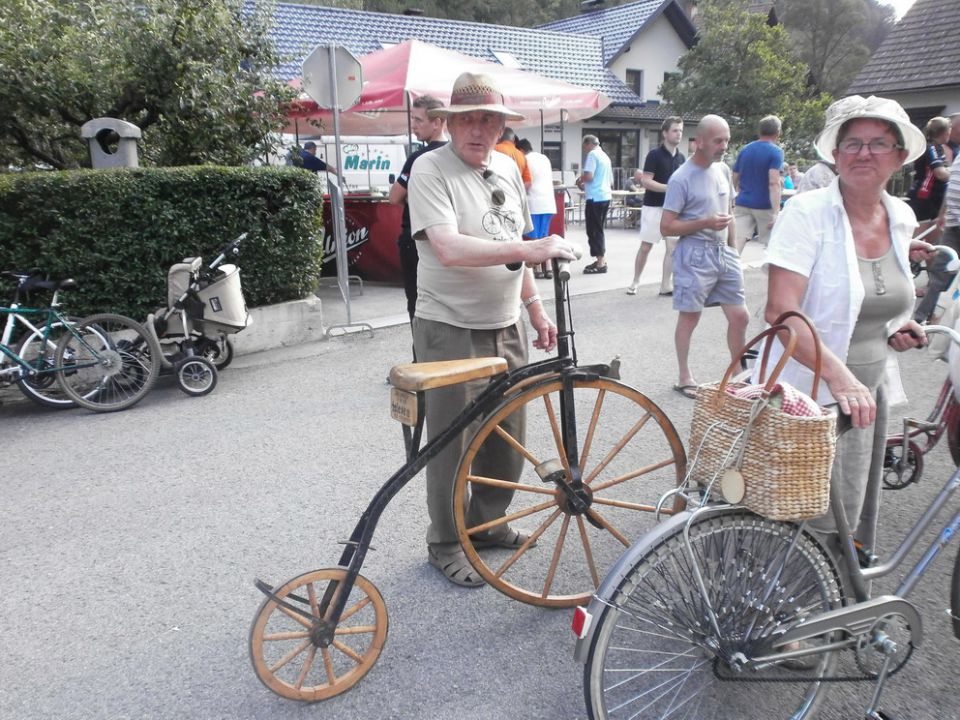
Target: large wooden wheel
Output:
{"points": [[629, 455], [298, 657]]}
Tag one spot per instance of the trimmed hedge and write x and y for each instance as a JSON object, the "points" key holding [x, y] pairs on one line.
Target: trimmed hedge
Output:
{"points": [[118, 231]]}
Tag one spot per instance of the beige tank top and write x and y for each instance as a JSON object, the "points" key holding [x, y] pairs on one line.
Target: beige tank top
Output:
{"points": [[888, 293]]}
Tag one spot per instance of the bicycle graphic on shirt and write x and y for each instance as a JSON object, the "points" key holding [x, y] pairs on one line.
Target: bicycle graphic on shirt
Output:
{"points": [[495, 221]]}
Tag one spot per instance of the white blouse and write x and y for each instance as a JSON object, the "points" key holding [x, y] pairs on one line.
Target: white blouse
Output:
{"points": [[813, 237]]}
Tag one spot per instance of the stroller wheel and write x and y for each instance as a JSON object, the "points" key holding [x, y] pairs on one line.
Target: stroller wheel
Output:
{"points": [[219, 352], [196, 376]]}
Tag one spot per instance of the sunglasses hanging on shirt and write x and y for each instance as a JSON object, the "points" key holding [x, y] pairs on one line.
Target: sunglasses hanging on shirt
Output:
{"points": [[498, 197]]}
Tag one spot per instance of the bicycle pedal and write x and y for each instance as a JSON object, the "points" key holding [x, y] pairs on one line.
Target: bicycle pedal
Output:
{"points": [[354, 543], [923, 425]]}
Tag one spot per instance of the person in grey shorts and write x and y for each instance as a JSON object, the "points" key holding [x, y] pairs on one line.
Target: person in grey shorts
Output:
{"points": [[706, 265]]}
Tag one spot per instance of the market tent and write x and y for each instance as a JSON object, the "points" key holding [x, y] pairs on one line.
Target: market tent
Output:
{"points": [[398, 75]]}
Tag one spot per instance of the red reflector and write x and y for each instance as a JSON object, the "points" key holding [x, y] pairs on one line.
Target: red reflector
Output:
{"points": [[581, 622]]}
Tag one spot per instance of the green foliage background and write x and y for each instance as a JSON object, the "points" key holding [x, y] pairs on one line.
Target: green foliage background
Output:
{"points": [[194, 75], [118, 231]]}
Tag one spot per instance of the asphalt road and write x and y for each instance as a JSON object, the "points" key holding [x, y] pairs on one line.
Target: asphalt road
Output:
{"points": [[129, 542]]}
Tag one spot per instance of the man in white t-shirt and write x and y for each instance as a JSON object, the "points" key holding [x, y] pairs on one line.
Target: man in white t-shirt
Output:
{"points": [[468, 213]]}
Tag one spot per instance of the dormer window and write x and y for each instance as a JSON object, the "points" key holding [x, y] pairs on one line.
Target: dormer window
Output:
{"points": [[634, 81], [506, 59]]}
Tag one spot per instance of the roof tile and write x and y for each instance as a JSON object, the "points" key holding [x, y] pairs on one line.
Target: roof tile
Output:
{"points": [[921, 51], [576, 59]]}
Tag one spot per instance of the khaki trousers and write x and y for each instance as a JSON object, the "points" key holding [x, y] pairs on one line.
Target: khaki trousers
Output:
{"points": [[432, 341]]}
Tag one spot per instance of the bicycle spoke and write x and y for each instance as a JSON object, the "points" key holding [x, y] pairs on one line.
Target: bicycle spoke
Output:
{"points": [[346, 650], [513, 516], [512, 442], [290, 655], [594, 418], [328, 666], [591, 563], [357, 630], [623, 504], [608, 527], [294, 616], [555, 428], [507, 485], [355, 609], [615, 450], [558, 549], [292, 635], [528, 544], [312, 595], [631, 475], [307, 664]]}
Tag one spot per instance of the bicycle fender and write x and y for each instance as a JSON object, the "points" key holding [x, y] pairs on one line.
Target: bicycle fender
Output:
{"points": [[604, 596]]}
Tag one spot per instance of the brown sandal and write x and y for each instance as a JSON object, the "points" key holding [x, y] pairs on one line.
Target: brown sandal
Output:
{"points": [[455, 567]]}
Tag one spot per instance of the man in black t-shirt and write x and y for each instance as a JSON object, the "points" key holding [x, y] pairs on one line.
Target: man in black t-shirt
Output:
{"points": [[659, 165], [431, 131]]}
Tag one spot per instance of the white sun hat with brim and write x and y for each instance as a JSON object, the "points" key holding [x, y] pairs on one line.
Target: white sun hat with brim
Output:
{"points": [[475, 92], [857, 107]]}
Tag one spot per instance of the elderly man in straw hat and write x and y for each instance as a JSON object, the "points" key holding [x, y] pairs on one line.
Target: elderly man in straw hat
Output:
{"points": [[468, 213]]}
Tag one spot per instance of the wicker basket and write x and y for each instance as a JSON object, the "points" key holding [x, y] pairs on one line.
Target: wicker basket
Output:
{"points": [[784, 460]]}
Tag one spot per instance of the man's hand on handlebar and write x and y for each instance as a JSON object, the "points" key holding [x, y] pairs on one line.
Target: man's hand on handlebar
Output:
{"points": [[552, 246]]}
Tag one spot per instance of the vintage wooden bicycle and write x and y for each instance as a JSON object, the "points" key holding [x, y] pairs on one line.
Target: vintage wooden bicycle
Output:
{"points": [[594, 456]]}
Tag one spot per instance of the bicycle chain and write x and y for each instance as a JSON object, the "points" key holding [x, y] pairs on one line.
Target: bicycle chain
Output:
{"points": [[861, 678]]}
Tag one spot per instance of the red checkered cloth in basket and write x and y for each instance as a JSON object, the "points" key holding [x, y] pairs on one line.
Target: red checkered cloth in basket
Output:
{"points": [[786, 397]]}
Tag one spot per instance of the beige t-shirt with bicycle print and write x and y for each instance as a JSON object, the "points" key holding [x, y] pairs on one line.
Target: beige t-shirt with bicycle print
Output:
{"points": [[444, 190]]}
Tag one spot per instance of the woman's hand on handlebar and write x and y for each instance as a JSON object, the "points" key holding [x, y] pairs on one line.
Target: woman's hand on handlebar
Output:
{"points": [[910, 336], [855, 400]]}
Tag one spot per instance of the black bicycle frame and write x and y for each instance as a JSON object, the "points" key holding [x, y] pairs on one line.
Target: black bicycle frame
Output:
{"points": [[563, 366]]}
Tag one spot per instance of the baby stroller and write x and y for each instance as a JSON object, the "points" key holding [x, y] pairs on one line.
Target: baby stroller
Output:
{"points": [[205, 306]]}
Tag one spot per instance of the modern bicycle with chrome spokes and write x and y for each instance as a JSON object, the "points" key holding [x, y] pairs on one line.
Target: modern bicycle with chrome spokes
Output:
{"points": [[720, 613], [104, 363], [594, 456]]}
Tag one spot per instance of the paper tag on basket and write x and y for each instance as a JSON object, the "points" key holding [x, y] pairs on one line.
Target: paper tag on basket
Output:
{"points": [[731, 485]]}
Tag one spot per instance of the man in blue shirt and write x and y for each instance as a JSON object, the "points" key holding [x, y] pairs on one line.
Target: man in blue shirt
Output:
{"points": [[311, 162], [595, 182], [756, 178]]}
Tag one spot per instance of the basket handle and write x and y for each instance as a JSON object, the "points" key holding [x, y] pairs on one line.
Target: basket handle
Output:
{"points": [[817, 347], [790, 346]]}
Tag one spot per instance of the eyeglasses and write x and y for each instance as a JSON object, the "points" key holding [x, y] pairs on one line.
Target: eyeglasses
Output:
{"points": [[877, 146], [497, 196]]}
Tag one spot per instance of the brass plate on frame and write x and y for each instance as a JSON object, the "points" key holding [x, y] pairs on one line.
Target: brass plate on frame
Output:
{"points": [[403, 406]]}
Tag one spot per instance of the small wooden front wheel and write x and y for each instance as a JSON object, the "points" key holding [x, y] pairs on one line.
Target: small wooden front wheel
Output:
{"points": [[287, 650]]}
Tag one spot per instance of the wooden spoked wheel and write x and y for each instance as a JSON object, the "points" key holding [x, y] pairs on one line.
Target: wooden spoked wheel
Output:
{"points": [[303, 658], [629, 455]]}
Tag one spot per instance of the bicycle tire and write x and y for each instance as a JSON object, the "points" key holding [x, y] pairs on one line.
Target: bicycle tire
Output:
{"points": [[953, 430], [894, 480], [955, 597], [630, 454], [44, 389], [284, 646], [116, 362], [653, 638]]}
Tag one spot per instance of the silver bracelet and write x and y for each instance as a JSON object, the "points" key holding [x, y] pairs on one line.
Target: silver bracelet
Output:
{"points": [[531, 300]]}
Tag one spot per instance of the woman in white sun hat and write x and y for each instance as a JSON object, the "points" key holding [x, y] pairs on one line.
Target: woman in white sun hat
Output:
{"points": [[840, 256]]}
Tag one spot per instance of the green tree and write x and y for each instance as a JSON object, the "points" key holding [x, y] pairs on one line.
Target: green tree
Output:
{"points": [[743, 69], [193, 75], [835, 37]]}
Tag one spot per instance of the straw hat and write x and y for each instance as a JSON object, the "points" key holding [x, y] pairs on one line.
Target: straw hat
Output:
{"points": [[471, 92], [874, 108]]}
